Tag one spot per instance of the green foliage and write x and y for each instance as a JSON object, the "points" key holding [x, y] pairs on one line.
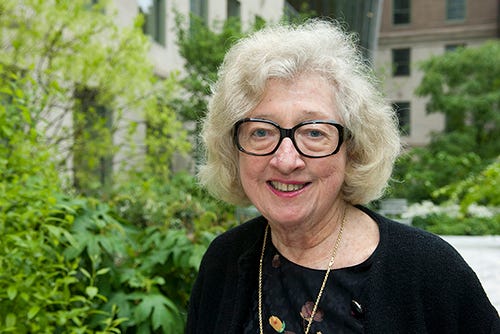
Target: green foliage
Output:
{"points": [[119, 259], [465, 86], [178, 202], [144, 266], [445, 225], [40, 290], [166, 135], [421, 171], [92, 84], [482, 188], [203, 49], [75, 265], [173, 221]]}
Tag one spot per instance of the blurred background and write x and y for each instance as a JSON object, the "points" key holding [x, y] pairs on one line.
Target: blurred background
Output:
{"points": [[102, 222]]}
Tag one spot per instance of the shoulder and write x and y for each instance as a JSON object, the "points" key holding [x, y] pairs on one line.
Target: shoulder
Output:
{"points": [[412, 251], [421, 257], [236, 241], [242, 234], [410, 241], [421, 272]]}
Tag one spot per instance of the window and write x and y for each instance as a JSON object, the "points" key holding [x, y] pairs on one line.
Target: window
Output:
{"points": [[403, 112], [233, 8], [199, 8], [92, 142], [89, 5], [154, 19], [455, 10], [401, 62], [453, 47], [401, 11]]}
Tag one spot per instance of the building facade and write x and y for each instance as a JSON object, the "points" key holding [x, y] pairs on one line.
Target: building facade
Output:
{"points": [[160, 21], [414, 30]]}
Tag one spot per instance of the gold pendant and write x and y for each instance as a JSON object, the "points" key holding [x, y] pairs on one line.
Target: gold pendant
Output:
{"points": [[277, 324]]}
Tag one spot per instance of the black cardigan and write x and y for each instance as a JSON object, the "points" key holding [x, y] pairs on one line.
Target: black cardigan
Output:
{"points": [[418, 283]]}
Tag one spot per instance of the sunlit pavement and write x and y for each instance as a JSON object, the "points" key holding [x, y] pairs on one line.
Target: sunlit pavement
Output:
{"points": [[483, 255]]}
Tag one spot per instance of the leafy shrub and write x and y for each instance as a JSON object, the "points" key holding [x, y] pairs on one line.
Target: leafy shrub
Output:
{"points": [[94, 94], [449, 218], [41, 291], [482, 188], [448, 225], [178, 202], [169, 225], [464, 87], [146, 271], [421, 171]]}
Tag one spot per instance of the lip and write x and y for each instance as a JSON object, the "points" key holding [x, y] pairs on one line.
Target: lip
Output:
{"points": [[287, 188]]}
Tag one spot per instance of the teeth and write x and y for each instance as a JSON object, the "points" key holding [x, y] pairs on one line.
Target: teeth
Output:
{"points": [[286, 187]]}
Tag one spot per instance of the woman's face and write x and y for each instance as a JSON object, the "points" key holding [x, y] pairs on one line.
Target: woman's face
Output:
{"points": [[287, 188]]}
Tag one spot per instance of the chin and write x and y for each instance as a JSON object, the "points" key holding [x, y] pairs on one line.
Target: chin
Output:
{"points": [[286, 219]]}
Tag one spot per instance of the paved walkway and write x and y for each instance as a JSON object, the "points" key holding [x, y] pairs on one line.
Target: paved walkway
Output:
{"points": [[483, 255]]}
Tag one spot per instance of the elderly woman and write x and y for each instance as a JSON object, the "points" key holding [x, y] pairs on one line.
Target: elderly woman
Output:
{"points": [[297, 128]]}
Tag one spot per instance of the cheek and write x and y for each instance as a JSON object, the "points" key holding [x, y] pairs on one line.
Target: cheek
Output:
{"points": [[250, 168], [333, 171], [250, 173], [330, 176]]}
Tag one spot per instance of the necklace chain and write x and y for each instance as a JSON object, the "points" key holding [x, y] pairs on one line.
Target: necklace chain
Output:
{"points": [[320, 293]]}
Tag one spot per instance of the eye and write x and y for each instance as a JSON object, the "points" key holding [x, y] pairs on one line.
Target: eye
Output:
{"points": [[315, 133], [260, 133]]}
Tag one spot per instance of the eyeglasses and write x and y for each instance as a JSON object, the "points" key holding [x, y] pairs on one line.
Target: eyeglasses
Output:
{"points": [[312, 139]]}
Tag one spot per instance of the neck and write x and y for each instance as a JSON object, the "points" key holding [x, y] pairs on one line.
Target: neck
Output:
{"points": [[309, 245]]}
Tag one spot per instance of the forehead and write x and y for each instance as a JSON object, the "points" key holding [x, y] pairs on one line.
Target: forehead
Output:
{"points": [[304, 97]]}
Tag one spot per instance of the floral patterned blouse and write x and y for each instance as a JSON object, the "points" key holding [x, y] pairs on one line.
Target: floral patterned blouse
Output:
{"points": [[289, 292]]}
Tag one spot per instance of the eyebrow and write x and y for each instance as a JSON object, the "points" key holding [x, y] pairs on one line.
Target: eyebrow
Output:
{"points": [[314, 113], [305, 115]]}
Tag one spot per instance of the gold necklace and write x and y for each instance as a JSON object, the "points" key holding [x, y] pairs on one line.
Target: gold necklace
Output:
{"points": [[320, 293]]}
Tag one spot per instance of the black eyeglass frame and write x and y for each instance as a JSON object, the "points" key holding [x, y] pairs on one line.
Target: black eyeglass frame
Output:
{"points": [[288, 133]]}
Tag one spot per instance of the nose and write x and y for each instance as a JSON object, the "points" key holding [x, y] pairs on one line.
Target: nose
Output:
{"points": [[287, 158]]}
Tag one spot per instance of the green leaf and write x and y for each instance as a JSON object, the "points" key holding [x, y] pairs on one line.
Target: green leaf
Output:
{"points": [[163, 313], [197, 254], [86, 273], [12, 292], [10, 320], [143, 309], [33, 311], [102, 271], [91, 291], [167, 317]]}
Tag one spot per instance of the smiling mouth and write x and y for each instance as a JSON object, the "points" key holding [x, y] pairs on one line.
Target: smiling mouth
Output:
{"points": [[284, 187]]}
